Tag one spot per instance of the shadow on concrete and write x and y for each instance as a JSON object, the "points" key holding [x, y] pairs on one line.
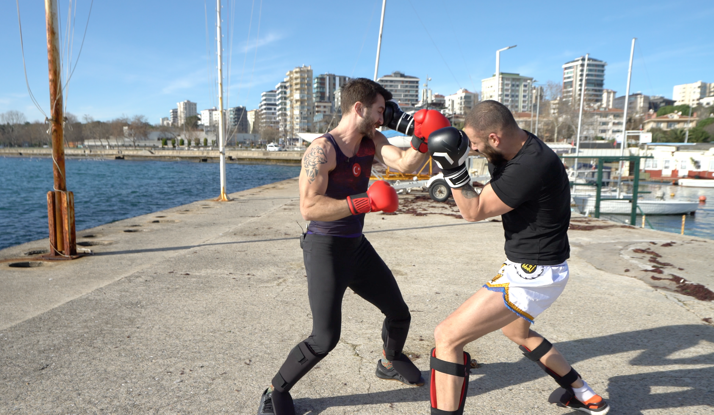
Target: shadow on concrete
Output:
{"points": [[630, 394], [295, 238]]}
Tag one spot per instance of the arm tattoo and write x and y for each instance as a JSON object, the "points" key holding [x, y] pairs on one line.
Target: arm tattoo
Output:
{"points": [[311, 163], [468, 192]]}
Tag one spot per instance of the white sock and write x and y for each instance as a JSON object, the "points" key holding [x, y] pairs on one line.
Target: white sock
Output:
{"points": [[584, 392]]}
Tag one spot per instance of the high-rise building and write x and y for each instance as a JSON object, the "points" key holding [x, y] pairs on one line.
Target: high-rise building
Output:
{"points": [[404, 88], [210, 119], [574, 75], [268, 110], [186, 109], [301, 106], [173, 117], [461, 102], [515, 91], [690, 94], [237, 120], [608, 98], [324, 87], [283, 108], [251, 120], [164, 121]]}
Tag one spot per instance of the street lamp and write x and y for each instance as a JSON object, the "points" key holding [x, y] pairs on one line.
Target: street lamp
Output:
{"points": [[498, 70]]}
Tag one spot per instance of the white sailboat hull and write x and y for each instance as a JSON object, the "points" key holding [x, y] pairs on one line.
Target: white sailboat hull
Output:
{"points": [[586, 204], [696, 182]]}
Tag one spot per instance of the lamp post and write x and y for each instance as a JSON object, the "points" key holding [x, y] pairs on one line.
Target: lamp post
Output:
{"points": [[498, 70]]}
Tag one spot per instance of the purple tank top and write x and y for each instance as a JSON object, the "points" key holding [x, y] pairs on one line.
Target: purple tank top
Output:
{"points": [[350, 177]]}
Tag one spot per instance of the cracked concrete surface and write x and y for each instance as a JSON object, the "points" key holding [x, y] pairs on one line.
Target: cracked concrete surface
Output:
{"points": [[196, 316]]}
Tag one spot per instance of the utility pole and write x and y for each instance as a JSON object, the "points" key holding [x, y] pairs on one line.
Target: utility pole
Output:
{"points": [[60, 202]]}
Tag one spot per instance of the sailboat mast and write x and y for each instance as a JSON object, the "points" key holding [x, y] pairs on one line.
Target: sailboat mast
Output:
{"points": [[221, 117], [60, 203], [624, 118], [379, 41]]}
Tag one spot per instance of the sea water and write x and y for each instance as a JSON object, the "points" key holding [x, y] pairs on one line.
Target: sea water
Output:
{"points": [[110, 190]]}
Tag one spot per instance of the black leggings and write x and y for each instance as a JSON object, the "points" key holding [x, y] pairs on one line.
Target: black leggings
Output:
{"points": [[333, 264]]}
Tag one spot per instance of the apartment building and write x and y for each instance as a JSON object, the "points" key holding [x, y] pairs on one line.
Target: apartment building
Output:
{"points": [[268, 110], [237, 120], [515, 91], [302, 105], [603, 123], [282, 109], [251, 115], [324, 87], [186, 109], [691, 94], [460, 102], [404, 88], [574, 75], [210, 118], [173, 117], [608, 98]]}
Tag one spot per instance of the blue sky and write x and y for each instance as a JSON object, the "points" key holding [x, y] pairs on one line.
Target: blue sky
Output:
{"points": [[142, 57]]}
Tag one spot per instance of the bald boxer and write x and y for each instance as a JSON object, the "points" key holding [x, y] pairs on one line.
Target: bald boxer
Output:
{"points": [[529, 189]]}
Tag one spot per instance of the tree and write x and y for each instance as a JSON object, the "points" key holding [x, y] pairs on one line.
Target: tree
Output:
{"points": [[192, 121], [552, 90], [205, 142], [269, 134], [699, 135], [668, 109]]}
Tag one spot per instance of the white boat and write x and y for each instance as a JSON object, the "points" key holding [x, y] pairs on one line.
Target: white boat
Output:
{"points": [[696, 182], [586, 205]]}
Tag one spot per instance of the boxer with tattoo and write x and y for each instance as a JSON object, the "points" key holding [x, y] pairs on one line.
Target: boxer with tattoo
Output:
{"points": [[334, 197]]}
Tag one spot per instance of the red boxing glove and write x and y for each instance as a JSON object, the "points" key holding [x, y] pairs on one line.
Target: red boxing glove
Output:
{"points": [[381, 196], [426, 122]]}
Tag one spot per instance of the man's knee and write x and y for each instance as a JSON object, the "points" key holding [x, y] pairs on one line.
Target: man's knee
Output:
{"points": [[323, 343], [443, 336]]}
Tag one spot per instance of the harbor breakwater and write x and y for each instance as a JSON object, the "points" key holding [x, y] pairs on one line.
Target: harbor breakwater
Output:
{"points": [[203, 155]]}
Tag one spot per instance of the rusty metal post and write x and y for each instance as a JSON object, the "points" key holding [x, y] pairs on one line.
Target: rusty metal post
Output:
{"points": [[61, 210]]}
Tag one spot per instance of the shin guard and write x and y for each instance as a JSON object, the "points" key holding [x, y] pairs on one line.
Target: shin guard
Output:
{"points": [[300, 360], [449, 368], [536, 354]]}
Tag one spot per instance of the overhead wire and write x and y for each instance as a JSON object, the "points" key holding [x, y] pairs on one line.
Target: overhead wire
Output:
{"points": [[364, 38], [461, 50], [24, 64], [434, 43], [211, 78]]}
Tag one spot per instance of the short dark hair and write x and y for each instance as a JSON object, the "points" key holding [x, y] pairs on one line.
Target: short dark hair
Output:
{"points": [[361, 90], [490, 116]]}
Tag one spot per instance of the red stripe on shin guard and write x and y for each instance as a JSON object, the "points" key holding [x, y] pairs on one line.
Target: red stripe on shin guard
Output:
{"points": [[432, 386]]}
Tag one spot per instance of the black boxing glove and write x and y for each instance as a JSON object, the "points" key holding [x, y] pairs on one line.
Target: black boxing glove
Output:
{"points": [[449, 148]]}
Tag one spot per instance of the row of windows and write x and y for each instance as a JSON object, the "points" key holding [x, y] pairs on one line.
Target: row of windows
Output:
{"points": [[677, 165]]}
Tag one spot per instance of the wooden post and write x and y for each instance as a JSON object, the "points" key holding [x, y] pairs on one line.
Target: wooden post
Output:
{"points": [[60, 210], [684, 218]]}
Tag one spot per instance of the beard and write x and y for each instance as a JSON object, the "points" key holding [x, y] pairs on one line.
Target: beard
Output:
{"points": [[366, 128], [492, 155]]}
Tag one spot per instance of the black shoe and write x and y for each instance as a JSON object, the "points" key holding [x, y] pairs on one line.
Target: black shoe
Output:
{"points": [[565, 398], [276, 403], [392, 374]]}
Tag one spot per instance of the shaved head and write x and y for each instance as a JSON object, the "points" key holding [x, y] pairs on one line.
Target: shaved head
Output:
{"points": [[489, 117]]}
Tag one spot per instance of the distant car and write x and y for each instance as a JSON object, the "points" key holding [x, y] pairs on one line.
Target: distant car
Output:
{"points": [[273, 147]]}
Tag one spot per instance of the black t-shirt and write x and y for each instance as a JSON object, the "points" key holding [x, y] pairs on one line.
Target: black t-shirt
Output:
{"points": [[534, 183]]}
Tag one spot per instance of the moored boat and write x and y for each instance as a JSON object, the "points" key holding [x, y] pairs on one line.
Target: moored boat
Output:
{"points": [[586, 205], [696, 182]]}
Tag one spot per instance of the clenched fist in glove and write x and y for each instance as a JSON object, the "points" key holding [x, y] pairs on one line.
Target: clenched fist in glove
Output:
{"points": [[449, 147], [426, 122], [381, 196]]}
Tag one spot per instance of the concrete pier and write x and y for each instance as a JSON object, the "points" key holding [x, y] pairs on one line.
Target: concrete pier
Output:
{"points": [[191, 310]]}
